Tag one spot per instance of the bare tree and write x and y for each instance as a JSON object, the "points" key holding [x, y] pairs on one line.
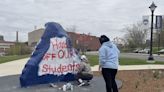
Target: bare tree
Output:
{"points": [[162, 39], [162, 35], [72, 35], [136, 35], [72, 28]]}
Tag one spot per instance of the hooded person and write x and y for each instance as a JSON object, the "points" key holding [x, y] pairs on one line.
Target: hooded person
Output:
{"points": [[85, 73], [48, 62], [108, 62]]}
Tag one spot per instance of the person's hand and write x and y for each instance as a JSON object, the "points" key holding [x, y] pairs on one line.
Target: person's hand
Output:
{"points": [[99, 68]]}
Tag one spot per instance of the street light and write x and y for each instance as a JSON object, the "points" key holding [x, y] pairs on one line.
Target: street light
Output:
{"points": [[152, 8]]}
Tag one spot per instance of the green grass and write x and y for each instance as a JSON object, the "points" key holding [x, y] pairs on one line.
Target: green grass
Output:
{"points": [[130, 61], [123, 61], [92, 58], [4, 59]]}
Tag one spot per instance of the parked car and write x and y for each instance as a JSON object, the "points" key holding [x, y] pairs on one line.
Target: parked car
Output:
{"points": [[161, 51], [147, 51], [136, 50], [2, 53]]}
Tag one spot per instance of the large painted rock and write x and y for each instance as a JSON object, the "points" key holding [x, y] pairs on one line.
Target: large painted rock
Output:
{"points": [[53, 60]]}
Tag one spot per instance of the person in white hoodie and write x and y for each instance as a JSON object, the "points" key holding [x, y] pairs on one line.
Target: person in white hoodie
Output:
{"points": [[108, 62], [85, 73]]}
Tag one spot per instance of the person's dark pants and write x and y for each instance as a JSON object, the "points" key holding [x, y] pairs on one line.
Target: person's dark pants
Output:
{"points": [[109, 77], [84, 76]]}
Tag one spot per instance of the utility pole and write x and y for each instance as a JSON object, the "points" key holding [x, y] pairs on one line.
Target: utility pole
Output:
{"points": [[17, 36]]}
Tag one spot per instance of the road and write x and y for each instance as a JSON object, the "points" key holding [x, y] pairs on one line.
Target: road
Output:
{"points": [[142, 56], [135, 55]]}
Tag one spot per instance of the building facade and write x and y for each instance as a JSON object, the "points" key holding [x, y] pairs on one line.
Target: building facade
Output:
{"points": [[4, 46], [34, 36], [84, 42]]}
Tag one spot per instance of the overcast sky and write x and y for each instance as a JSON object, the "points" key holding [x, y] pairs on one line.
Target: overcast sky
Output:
{"points": [[97, 17]]}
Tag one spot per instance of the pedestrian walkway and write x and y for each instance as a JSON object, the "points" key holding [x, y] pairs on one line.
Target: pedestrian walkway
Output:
{"points": [[15, 67], [134, 67], [12, 84]]}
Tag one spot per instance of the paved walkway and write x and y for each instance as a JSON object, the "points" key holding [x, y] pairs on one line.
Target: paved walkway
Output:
{"points": [[15, 67], [12, 84], [135, 67], [9, 80]]}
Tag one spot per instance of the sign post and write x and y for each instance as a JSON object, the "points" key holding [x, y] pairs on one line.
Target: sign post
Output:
{"points": [[158, 26]]}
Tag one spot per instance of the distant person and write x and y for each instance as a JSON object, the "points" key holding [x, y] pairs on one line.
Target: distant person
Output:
{"points": [[108, 62], [85, 73]]}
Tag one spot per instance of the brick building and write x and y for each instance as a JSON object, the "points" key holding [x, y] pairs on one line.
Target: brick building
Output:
{"points": [[4, 45], [84, 42], [81, 42]]}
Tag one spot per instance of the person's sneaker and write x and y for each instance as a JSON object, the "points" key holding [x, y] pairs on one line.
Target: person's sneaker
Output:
{"points": [[81, 84], [53, 85], [80, 80]]}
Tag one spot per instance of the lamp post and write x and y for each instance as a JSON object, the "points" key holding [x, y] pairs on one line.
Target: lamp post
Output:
{"points": [[152, 8]]}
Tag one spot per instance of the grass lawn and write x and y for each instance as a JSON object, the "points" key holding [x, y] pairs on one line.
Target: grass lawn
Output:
{"points": [[123, 61], [92, 58], [4, 59]]}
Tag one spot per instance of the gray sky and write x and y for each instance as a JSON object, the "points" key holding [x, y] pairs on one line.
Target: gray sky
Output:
{"points": [[97, 17]]}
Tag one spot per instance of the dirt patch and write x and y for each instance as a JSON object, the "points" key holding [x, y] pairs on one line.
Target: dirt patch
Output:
{"points": [[141, 80]]}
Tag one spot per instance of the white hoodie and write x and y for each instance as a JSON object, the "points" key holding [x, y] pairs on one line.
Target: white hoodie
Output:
{"points": [[108, 55]]}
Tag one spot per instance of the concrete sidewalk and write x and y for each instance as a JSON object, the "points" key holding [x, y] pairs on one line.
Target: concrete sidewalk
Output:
{"points": [[15, 67], [134, 67]]}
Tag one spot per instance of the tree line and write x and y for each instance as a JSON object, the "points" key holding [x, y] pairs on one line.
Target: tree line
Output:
{"points": [[19, 49], [137, 36]]}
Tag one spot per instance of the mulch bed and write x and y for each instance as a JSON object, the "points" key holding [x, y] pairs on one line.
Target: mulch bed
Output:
{"points": [[140, 80]]}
